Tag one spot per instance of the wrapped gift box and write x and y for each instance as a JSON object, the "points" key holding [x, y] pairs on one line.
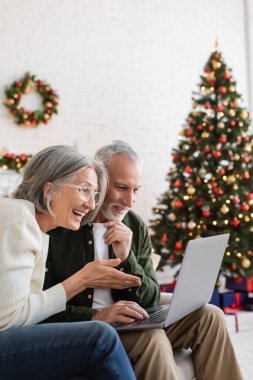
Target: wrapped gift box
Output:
{"points": [[239, 284], [168, 288], [234, 300], [215, 300]]}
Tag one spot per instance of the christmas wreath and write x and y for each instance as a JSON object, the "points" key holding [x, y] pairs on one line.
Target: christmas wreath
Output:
{"points": [[27, 85]]}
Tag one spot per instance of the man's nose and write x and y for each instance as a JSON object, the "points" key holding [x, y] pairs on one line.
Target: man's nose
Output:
{"points": [[129, 199]]}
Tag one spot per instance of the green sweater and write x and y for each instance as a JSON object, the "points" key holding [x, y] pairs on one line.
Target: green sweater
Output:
{"points": [[70, 250]]}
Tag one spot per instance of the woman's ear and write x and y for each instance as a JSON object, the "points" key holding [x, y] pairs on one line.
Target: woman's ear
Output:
{"points": [[47, 190]]}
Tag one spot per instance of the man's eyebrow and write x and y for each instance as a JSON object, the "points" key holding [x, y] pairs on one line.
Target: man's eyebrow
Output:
{"points": [[126, 185]]}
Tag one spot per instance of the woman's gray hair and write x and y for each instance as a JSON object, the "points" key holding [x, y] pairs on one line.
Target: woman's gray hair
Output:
{"points": [[58, 164], [105, 153]]}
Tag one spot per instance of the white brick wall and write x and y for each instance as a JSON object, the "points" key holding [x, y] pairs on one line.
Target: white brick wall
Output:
{"points": [[124, 69]]}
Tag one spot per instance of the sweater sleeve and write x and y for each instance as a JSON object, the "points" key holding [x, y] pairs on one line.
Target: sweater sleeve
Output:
{"points": [[22, 271]]}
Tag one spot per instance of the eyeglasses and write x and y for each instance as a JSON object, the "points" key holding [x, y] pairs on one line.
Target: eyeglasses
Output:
{"points": [[85, 193]]}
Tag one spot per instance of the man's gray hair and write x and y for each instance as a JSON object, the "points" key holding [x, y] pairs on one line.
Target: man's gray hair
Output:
{"points": [[57, 164], [105, 153]]}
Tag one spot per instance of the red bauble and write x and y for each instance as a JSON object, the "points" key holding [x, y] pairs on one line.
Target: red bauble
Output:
{"points": [[214, 185], [217, 55], [246, 175], [208, 106], [212, 82], [183, 159], [164, 238], [206, 149], [188, 169], [199, 127], [199, 203], [198, 181], [226, 75], [19, 84], [221, 171], [178, 183], [233, 123], [244, 207], [189, 132], [249, 196], [223, 139], [178, 245], [206, 213], [222, 90], [175, 157], [207, 69], [246, 159], [219, 109], [178, 204], [219, 191], [216, 153], [235, 222], [237, 200]]}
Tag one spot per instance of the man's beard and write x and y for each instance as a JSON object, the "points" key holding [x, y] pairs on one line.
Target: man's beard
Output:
{"points": [[110, 214]]}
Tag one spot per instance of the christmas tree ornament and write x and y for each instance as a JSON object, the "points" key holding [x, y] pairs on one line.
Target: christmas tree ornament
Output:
{"points": [[172, 217], [231, 112], [244, 115], [246, 263], [221, 125], [205, 135], [191, 225], [224, 209], [191, 190]]}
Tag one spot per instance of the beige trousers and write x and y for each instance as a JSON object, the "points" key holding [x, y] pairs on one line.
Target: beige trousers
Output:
{"points": [[204, 331]]}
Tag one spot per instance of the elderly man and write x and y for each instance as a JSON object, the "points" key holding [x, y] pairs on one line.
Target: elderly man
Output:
{"points": [[119, 232]]}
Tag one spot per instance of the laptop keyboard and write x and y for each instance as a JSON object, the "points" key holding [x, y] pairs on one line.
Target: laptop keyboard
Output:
{"points": [[154, 317]]}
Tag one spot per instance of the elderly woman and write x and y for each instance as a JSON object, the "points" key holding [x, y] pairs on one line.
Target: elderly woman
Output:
{"points": [[60, 187]]}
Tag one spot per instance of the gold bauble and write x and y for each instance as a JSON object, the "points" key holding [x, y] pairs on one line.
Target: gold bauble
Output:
{"points": [[207, 92], [191, 225], [231, 112], [247, 148], [25, 116], [251, 229], [49, 104], [231, 179], [221, 125], [46, 116], [235, 187], [204, 135], [237, 157], [224, 209], [216, 64], [10, 102], [202, 171], [194, 105], [244, 115], [232, 88], [247, 219], [15, 96], [172, 217], [191, 190], [245, 263], [250, 202]]}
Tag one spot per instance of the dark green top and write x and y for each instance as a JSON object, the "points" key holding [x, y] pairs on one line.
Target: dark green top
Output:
{"points": [[70, 250]]}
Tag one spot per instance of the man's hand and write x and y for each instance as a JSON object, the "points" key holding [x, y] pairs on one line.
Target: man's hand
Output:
{"points": [[120, 237], [99, 274], [122, 311]]}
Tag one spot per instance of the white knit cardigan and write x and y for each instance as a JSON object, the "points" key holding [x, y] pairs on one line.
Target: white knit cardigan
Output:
{"points": [[22, 268]]}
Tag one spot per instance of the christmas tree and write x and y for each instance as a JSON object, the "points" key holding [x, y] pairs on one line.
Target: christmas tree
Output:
{"points": [[211, 183]]}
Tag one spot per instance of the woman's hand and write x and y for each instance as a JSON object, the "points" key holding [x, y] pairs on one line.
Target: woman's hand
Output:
{"points": [[99, 274]]}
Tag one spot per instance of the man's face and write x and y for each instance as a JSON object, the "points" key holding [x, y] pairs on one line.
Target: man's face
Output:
{"points": [[124, 184]]}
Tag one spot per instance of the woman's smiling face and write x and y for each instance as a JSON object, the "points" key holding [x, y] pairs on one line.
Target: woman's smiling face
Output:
{"points": [[67, 205]]}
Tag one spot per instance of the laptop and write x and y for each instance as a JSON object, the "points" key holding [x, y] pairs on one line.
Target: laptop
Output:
{"points": [[194, 286]]}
